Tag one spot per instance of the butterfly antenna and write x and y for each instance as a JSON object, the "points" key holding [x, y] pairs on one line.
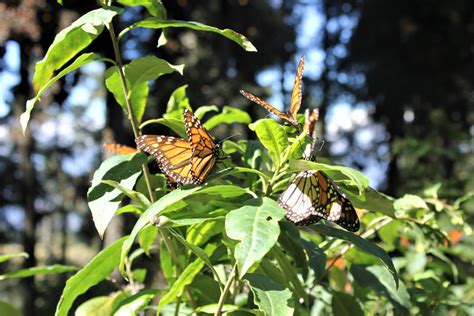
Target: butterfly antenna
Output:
{"points": [[233, 135]]}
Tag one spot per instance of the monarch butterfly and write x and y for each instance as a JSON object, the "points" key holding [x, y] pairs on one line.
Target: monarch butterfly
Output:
{"points": [[119, 149], [205, 152], [289, 116], [313, 195], [172, 154], [310, 121]]}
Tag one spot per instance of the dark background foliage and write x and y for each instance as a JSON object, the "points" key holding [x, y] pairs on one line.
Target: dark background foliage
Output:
{"points": [[408, 65]]}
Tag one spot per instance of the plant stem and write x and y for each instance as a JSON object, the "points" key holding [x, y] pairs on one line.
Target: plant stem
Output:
{"points": [[136, 133], [131, 117], [225, 291]]}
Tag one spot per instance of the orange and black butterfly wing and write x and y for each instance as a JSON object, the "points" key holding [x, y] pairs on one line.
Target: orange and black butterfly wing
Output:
{"points": [[298, 199], [204, 151], [172, 154], [310, 121], [263, 103], [333, 205], [119, 149], [297, 94]]}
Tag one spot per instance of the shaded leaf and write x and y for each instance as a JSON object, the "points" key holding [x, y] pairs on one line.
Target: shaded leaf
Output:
{"points": [[270, 297], [361, 243], [378, 278], [345, 305]]}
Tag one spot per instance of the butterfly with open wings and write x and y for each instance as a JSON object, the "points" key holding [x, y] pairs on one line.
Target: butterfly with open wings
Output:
{"points": [[183, 161]]}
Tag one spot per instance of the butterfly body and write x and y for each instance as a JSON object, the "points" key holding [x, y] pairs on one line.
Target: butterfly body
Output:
{"points": [[290, 115]]}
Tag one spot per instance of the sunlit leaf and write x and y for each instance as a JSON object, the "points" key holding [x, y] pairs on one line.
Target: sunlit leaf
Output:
{"points": [[176, 125], [29, 272], [156, 23], [132, 305], [9, 256], [98, 269], [70, 41], [104, 200], [273, 137], [79, 62], [255, 226], [154, 7], [229, 115], [177, 102]]}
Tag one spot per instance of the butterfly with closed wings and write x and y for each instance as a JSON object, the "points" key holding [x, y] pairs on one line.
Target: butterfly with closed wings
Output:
{"points": [[288, 116], [312, 196]]}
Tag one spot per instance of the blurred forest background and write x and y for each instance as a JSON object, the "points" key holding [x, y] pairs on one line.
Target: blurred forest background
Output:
{"points": [[394, 82]]}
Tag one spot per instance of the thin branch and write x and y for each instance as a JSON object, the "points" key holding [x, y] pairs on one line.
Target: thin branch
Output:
{"points": [[225, 291]]}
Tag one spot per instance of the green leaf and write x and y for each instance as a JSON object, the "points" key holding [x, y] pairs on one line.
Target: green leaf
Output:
{"points": [[198, 252], [255, 226], [156, 23], [373, 200], [70, 41], [154, 7], [203, 109], [225, 191], [104, 200], [134, 304], [97, 306], [79, 62], [198, 234], [98, 269], [290, 273], [130, 208], [147, 237], [9, 256], [229, 115], [176, 125], [138, 73], [346, 175], [135, 196], [273, 137], [409, 202], [345, 305], [361, 243], [7, 309], [178, 101], [185, 278], [154, 210], [380, 280], [29, 272], [270, 297]]}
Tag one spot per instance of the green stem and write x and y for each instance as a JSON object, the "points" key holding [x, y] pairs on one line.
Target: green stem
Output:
{"points": [[131, 117], [136, 133], [225, 291]]}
